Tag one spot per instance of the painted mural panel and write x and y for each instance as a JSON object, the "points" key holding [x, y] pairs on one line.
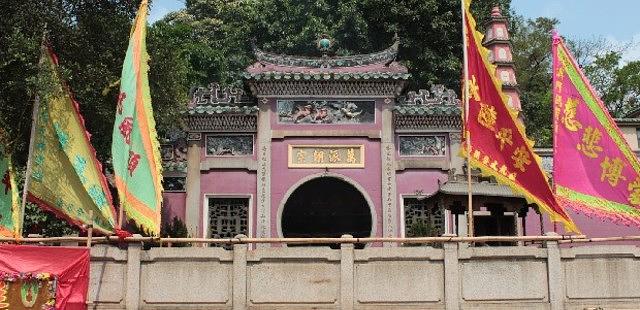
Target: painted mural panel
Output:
{"points": [[229, 145], [422, 145], [174, 184], [326, 156], [326, 112]]}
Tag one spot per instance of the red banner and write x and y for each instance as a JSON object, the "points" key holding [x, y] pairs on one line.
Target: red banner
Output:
{"points": [[39, 271], [498, 144]]}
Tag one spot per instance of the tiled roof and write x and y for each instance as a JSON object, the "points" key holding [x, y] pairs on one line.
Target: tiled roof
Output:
{"points": [[218, 109], [373, 66], [478, 189], [325, 75], [428, 110]]}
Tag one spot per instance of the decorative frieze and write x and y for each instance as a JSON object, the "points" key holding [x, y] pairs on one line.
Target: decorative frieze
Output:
{"points": [[422, 145], [216, 95], [194, 136], [326, 156], [326, 112], [229, 145], [437, 95], [326, 88], [417, 122], [455, 137], [174, 184], [222, 123]]}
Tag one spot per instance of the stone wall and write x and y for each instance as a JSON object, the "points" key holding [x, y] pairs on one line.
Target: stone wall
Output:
{"points": [[453, 277]]}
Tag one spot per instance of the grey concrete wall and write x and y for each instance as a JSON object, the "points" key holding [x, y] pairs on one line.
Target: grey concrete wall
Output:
{"points": [[455, 276]]}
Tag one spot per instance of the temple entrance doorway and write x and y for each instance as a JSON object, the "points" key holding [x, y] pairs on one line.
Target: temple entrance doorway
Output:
{"points": [[326, 207]]}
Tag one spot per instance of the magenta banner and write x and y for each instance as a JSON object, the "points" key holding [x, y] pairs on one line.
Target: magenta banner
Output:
{"points": [[595, 171]]}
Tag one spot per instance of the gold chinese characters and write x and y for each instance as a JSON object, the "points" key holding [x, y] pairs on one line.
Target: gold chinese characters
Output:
{"points": [[326, 156]]}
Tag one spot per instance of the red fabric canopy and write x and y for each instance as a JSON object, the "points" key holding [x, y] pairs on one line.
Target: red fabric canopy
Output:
{"points": [[70, 265]]}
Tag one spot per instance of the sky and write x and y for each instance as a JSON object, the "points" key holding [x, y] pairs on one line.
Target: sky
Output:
{"points": [[616, 21]]}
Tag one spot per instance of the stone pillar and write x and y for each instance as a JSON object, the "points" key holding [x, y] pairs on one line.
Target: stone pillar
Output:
{"points": [[555, 274], [346, 274], [389, 197], [263, 203], [192, 212], [132, 284], [240, 274], [451, 275], [455, 162]]}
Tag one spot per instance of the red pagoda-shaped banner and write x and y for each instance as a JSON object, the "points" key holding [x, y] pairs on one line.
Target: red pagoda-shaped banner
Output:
{"points": [[497, 143]]}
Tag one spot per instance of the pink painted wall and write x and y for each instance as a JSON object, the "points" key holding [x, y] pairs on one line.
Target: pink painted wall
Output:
{"points": [[230, 183], [283, 178], [173, 205]]}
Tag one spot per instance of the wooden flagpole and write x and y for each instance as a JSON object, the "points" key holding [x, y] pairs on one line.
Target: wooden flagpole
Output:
{"points": [[34, 121], [27, 175], [466, 119], [90, 229]]}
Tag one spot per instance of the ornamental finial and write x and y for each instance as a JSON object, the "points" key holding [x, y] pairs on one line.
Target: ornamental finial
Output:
{"points": [[324, 43]]}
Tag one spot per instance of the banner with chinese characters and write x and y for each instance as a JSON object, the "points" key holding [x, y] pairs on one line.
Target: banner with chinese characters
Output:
{"points": [[499, 146], [326, 156], [43, 277], [135, 150], [595, 171], [27, 291]]}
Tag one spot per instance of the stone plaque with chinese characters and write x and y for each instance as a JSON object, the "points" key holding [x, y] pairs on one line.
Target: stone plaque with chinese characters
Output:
{"points": [[326, 156]]}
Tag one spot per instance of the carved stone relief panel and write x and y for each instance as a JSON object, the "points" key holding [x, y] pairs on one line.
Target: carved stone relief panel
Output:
{"points": [[422, 145], [326, 112], [174, 184], [229, 145]]}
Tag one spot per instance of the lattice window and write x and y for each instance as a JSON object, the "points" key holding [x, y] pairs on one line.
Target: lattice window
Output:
{"points": [[423, 218], [228, 217]]}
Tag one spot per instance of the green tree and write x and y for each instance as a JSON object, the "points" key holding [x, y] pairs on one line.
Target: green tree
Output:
{"points": [[618, 85], [430, 31], [532, 57]]}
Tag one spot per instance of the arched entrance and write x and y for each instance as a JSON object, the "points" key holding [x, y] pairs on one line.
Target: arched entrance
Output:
{"points": [[326, 206]]}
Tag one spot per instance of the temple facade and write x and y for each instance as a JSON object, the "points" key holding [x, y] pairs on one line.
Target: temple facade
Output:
{"points": [[333, 145]]}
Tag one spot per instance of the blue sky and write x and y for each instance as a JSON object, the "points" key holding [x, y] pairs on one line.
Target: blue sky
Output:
{"points": [[614, 20]]}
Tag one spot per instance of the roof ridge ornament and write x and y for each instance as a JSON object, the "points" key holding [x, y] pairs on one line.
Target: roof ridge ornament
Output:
{"points": [[217, 95], [385, 57], [438, 95]]}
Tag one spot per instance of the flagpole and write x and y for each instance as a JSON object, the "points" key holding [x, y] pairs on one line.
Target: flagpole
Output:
{"points": [[27, 175], [466, 119], [32, 137]]}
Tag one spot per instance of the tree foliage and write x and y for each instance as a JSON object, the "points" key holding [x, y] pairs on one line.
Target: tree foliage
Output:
{"points": [[617, 84]]}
